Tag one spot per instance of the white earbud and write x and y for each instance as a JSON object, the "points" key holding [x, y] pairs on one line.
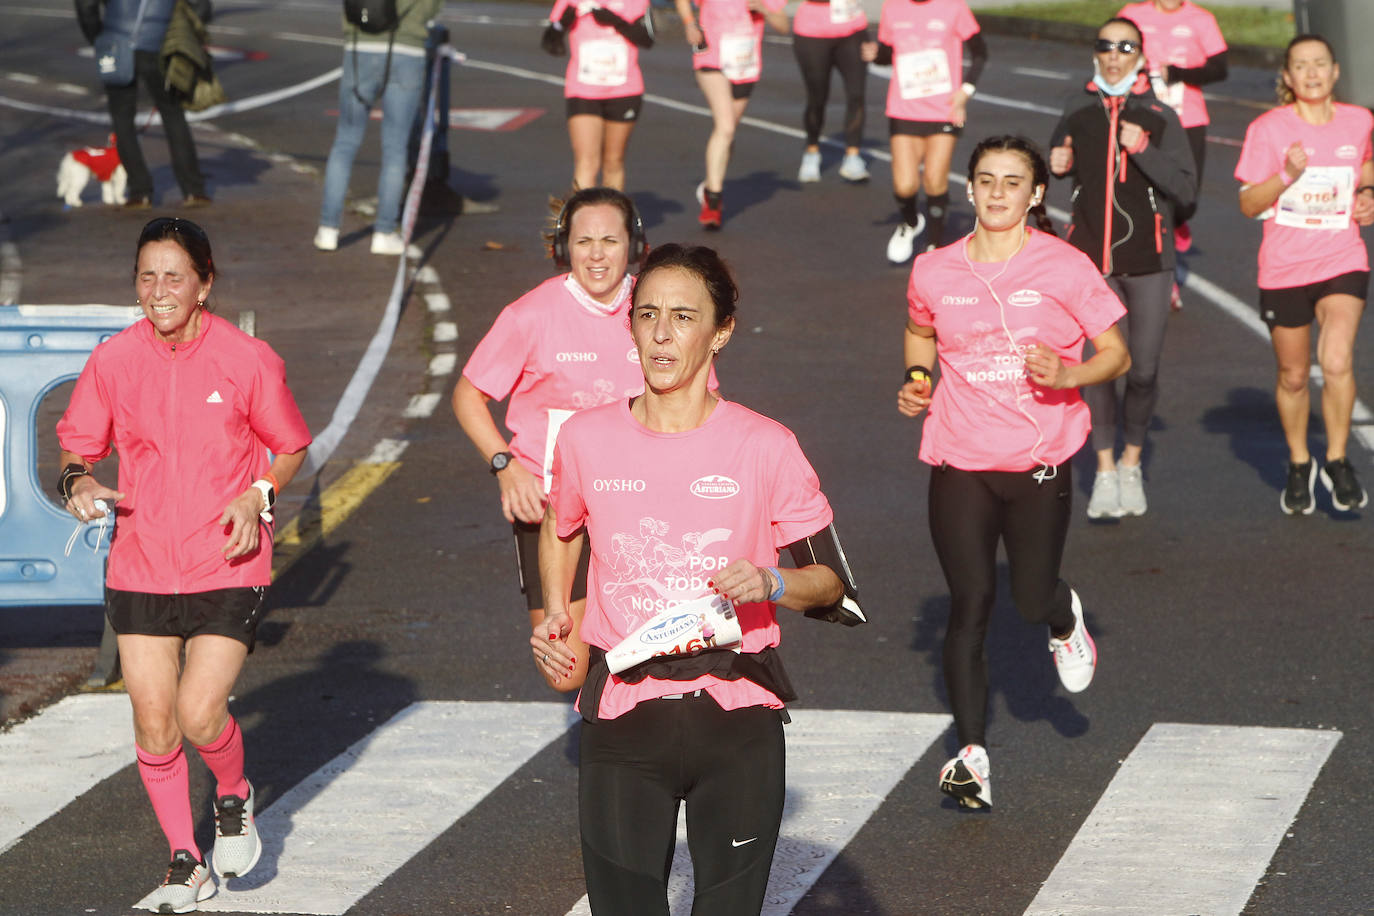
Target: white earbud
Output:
{"points": [[1035, 201], [970, 193]]}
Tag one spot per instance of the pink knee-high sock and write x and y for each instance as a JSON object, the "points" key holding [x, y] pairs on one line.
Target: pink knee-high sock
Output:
{"points": [[169, 789], [224, 757]]}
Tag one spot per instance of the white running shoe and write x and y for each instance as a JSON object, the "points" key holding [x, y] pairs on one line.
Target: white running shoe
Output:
{"points": [[1075, 656], [967, 778], [237, 845], [391, 243], [902, 245], [1131, 489], [810, 167], [853, 168], [327, 239], [1106, 499], [187, 883]]}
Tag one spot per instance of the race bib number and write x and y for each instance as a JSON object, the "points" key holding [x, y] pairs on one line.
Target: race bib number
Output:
{"points": [[1320, 199], [739, 57], [557, 418], [1172, 96], [841, 11], [921, 74], [603, 62]]}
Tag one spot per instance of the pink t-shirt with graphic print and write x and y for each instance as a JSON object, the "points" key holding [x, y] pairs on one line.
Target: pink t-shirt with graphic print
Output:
{"points": [[985, 410], [1291, 255], [734, 38], [666, 511], [602, 64], [548, 352], [1184, 38], [836, 19], [927, 42]]}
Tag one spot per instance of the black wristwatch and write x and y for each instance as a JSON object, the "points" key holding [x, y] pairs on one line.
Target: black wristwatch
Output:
{"points": [[64, 480], [500, 460]]}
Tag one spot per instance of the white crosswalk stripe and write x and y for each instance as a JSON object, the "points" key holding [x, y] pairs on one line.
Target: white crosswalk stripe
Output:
{"points": [[1171, 833]]}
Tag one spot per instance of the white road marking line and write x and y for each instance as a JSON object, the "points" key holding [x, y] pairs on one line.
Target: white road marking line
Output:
{"points": [[1043, 74], [27, 79], [420, 406], [58, 755], [443, 364], [386, 451], [435, 302], [1189, 823], [393, 791], [427, 275], [445, 331], [841, 765]]}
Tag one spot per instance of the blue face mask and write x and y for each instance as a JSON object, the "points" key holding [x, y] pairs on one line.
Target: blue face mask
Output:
{"points": [[1121, 86]]}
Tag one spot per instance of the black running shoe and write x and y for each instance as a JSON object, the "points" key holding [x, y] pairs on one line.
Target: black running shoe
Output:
{"points": [[1297, 496], [1346, 493]]}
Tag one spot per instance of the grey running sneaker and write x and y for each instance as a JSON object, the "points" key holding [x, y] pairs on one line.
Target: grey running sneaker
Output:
{"points": [[1131, 485], [902, 245], [187, 883], [810, 167], [1297, 495], [237, 845], [1346, 493], [1106, 499], [1075, 656], [853, 168], [967, 778]]}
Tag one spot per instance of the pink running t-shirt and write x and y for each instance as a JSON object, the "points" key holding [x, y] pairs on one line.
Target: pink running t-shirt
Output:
{"points": [[836, 19], [1291, 255], [734, 38], [985, 410], [1184, 38], [927, 42], [666, 511], [550, 353], [602, 64]]}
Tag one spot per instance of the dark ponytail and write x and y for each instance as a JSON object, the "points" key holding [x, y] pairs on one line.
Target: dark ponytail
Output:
{"points": [[1040, 172]]}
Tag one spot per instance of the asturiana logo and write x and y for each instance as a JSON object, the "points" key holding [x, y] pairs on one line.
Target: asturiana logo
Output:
{"points": [[1025, 298], [1347, 151], [669, 630], [714, 486]]}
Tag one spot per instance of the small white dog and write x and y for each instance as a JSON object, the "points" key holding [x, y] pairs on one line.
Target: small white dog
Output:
{"points": [[99, 162]]}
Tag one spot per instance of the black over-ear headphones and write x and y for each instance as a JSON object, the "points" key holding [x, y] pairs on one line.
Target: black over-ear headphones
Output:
{"points": [[639, 244]]}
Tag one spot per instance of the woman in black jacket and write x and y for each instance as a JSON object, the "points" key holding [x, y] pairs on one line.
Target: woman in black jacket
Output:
{"points": [[1131, 167]]}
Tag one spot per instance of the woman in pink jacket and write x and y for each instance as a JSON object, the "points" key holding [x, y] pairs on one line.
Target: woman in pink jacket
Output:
{"points": [[193, 406]]}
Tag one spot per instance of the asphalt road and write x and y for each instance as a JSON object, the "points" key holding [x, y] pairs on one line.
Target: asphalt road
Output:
{"points": [[1213, 610]]}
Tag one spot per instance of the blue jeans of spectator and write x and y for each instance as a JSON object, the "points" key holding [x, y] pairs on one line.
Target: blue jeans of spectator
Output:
{"points": [[400, 100]]}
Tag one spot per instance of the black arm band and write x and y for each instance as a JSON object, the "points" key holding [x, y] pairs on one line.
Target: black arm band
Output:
{"points": [[69, 474], [823, 549], [884, 58], [916, 373], [640, 32], [1213, 70], [977, 57]]}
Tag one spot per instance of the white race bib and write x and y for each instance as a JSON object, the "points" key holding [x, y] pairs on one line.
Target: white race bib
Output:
{"points": [[1320, 199], [841, 11], [921, 74], [603, 62], [739, 57], [556, 419]]}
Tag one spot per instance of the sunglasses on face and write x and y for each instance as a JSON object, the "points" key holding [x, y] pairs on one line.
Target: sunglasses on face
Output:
{"points": [[1106, 46]]}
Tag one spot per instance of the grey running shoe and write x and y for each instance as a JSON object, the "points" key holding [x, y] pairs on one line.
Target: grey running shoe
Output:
{"points": [[1106, 499], [1131, 484], [810, 167], [1297, 495], [237, 845], [187, 883], [1346, 493], [967, 778], [853, 168]]}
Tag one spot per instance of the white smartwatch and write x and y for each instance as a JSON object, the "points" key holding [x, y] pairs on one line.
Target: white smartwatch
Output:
{"points": [[269, 498], [968, 89]]}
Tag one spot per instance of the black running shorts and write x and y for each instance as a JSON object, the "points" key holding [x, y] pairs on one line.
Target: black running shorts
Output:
{"points": [[737, 90], [1296, 306], [901, 127], [232, 612], [625, 108]]}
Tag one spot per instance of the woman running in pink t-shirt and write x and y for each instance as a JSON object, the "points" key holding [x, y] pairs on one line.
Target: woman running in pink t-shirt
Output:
{"points": [[686, 499], [603, 85], [561, 347], [726, 37], [1306, 170], [1007, 311], [927, 103], [830, 35]]}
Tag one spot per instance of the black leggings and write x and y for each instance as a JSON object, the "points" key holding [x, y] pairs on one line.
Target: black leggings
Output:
{"points": [[816, 57], [969, 512], [634, 771]]}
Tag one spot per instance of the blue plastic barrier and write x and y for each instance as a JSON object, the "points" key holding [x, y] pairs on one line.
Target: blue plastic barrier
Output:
{"points": [[42, 346]]}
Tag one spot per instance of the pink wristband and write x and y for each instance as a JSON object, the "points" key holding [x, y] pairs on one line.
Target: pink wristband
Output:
{"points": [[1285, 177]]}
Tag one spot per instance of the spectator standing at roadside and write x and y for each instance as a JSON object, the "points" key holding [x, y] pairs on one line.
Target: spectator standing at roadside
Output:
{"points": [[386, 68], [151, 18]]}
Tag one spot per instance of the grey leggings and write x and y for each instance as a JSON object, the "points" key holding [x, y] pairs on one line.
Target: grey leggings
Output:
{"points": [[1146, 297]]}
